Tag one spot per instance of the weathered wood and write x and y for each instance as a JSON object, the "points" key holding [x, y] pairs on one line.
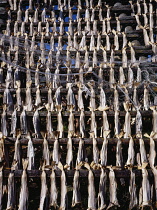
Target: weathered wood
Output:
{"points": [[23, 141], [83, 173], [87, 113]]}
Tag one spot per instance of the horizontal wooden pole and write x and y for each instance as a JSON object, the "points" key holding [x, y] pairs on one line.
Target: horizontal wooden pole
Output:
{"points": [[87, 113], [112, 141], [70, 173]]}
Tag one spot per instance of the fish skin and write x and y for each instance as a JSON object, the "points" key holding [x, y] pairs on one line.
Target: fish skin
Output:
{"points": [[102, 190], [17, 153], [55, 153], [143, 154], [69, 156], [46, 152], [63, 202], [4, 122], [11, 191], [44, 190], [81, 154], [29, 105], [23, 122], [30, 154], [13, 122], [53, 190], [36, 123], [91, 192], [132, 190], [113, 190], [23, 199], [1, 186], [76, 189], [82, 124], [131, 153], [119, 156]]}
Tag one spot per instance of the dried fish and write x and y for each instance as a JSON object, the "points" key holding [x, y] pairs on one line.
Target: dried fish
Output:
{"points": [[131, 153], [146, 191], [69, 157], [17, 153], [138, 123], [154, 120], [152, 151], [76, 188], [11, 191], [119, 156], [82, 123], [53, 190], [127, 125], [55, 153], [102, 190], [46, 152], [63, 201], [71, 127], [113, 190], [1, 186], [103, 152], [143, 155], [2, 152], [23, 121], [93, 126], [29, 105], [95, 150], [13, 122], [60, 121], [30, 153], [116, 122], [81, 154], [23, 199], [44, 190], [132, 190], [36, 122], [4, 122], [38, 98]]}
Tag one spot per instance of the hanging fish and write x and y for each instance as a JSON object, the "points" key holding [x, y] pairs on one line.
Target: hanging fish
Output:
{"points": [[46, 152], [36, 122], [138, 123], [70, 95], [29, 105], [131, 153], [152, 151], [143, 154], [23, 199], [130, 78], [49, 127], [103, 152], [7, 98], [71, 127], [146, 97], [30, 153], [92, 97], [145, 191], [11, 191], [53, 190], [93, 126], [69, 156], [63, 200], [154, 121], [18, 95], [81, 154], [116, 42], [154, 170], [121, 76], [76, 199], [60, 121], [127, 124], [116, 123], [119, 155], [4, 122], [112, 190], [82, 124], [17, 154], [116, 99], [44, 190], [2, 152], [23, 121], [102, 190], [132, 190], [111, 78], [95, 149], [14, 122], [91, 189], [124, 58], [80, 97], [57, 96], [1, 186], [55, 152]]}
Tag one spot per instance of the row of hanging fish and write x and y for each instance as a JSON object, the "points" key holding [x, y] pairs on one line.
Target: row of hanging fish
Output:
{"points": [[105, 198]]}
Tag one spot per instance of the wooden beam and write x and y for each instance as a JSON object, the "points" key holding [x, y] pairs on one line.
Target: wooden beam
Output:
{"points": [[70, 173], [111, 141]]}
